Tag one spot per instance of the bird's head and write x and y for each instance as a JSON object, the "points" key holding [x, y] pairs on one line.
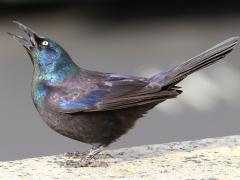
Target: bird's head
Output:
{"points": [[46, 54]]}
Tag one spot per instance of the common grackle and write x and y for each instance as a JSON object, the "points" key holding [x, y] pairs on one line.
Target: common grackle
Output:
{"points": [[95, 107]]}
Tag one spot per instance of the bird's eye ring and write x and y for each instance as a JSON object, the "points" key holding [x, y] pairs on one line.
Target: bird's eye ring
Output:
{"points": [[44, 43]]}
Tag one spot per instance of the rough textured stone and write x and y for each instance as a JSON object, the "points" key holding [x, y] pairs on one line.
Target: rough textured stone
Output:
{"points": [[213, 158]]}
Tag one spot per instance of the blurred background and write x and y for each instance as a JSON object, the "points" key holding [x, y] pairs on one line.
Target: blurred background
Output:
{"points": [[131, 37]]}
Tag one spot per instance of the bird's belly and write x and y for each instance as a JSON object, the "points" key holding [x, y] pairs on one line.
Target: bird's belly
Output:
{"points": [[78, 127], [94, 127]]}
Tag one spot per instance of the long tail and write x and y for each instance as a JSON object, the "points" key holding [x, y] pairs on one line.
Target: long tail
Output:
{"points": [[176, 74]]}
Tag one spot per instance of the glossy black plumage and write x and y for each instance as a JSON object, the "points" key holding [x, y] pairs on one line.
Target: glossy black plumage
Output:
{"points": [[95, 107]]}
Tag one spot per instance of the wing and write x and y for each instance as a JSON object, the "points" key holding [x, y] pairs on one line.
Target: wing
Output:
{"points": [[113, 92]]}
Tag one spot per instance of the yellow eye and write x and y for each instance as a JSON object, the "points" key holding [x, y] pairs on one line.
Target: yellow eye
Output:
{"points": [[44, 43]]}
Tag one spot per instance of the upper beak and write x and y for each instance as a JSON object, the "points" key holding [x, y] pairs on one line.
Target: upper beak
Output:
{"points": [[28, 44]]}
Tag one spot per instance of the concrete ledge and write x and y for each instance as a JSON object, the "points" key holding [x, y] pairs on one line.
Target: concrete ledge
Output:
{"points": [[213, 158]]}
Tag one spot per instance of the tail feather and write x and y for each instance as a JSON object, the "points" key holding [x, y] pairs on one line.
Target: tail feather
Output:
{"points": [[176, 74]]}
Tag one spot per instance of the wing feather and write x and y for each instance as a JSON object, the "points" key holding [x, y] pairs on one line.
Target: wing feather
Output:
{"points": [[115, 92]]}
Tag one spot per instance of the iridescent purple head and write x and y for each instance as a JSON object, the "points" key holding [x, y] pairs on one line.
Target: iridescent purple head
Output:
{"points": [[46, 54]]}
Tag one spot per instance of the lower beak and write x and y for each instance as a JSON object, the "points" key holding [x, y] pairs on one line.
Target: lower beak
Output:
{"points": [[28, 44]]}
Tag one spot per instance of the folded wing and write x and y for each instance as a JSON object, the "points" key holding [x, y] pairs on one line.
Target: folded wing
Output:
{"points": [[115, 92]]}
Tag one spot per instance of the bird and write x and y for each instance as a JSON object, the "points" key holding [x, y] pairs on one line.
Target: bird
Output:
{"points": [[96, 107]]}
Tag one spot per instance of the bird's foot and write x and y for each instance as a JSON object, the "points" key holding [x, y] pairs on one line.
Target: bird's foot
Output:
{"points": [[104, 156], [79, 155], [82, 163], [74, 164], [85, 159], [74, 155]]}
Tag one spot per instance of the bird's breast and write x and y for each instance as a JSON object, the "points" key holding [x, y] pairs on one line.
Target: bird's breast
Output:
{"points": [[38, 93]]}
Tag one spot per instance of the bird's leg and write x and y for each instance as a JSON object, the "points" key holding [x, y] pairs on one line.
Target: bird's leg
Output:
{"points": [[85, 158], [92, 153], [77, 154]]}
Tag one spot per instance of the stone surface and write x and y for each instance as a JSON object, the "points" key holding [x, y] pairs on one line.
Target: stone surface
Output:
{"points": [[213, 158]]}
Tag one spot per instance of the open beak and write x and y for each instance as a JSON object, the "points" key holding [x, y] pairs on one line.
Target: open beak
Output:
{"points": [[28, 44]]}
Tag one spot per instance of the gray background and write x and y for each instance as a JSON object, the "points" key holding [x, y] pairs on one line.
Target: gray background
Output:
{"points": [[135, 45]]}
